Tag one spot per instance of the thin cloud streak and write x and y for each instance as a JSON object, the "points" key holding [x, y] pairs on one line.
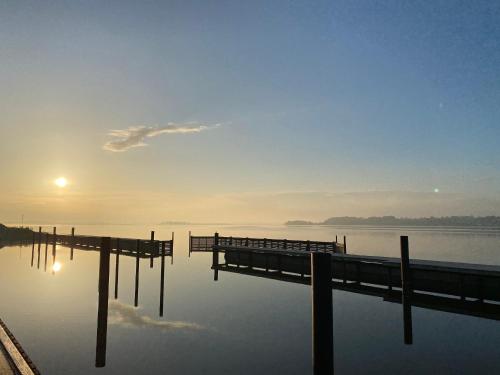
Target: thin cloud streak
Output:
{"points": [[134, 136], [129, 316]]}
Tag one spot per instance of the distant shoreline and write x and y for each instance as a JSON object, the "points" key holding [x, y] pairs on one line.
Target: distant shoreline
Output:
{"points": [[492, 222]]}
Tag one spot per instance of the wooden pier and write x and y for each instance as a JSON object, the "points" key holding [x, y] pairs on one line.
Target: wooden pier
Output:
{"points": [[132, 247], [206, 243]]}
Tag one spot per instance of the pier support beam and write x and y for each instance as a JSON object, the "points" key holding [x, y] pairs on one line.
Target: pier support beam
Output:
{"points": [[322, 311], [117, 266], [102, 312], [152, 248], [72, 242]]}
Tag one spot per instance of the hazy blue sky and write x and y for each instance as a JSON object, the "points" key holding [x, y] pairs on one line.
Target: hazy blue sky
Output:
{"points": [[305, 109]]}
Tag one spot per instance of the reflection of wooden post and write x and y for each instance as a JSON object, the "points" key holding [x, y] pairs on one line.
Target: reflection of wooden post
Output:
{"points": [[45, 260], [72, 242], [151, 248], [136, 292], [117, 266], [321, 282], [162, 277], [33, 250], [102, 311], [215, 263], [406, 290]]}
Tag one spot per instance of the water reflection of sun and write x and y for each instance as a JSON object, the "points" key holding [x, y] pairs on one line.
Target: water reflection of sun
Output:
{"points": [[56, 267]]}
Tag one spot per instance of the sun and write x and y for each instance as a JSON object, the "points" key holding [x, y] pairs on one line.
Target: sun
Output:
{"points": [[61, 182], [56, 267]]}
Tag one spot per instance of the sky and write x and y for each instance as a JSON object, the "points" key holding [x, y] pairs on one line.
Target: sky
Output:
{"points": [[248, 112]]}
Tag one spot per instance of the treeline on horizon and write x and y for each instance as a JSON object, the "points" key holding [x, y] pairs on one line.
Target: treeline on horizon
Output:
{"points": [[456, 221]]}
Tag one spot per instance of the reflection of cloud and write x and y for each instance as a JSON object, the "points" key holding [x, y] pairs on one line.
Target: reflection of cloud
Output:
{"points": [[126, 315], [135, 135]]}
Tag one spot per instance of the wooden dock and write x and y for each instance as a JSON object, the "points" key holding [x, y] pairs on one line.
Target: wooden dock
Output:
{"points": [[465, 281], [206, 243], [13, 359], [132, 247]]}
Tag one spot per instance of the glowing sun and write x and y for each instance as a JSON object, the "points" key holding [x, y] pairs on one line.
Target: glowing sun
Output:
{"points": [[61, 182]]}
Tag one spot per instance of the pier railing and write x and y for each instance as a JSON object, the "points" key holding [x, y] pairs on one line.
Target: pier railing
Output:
{"points": [[206, 243], [144, 248]]}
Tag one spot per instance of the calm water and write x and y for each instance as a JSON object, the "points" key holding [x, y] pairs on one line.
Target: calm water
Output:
{"points": [[239, 324]]}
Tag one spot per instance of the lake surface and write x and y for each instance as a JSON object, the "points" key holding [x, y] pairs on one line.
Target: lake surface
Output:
{"points": [[239, 324]]}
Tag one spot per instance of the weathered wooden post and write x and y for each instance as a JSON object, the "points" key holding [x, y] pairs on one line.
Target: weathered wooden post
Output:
{"points": [[162, 277], [345, 245], [151, 248], [117, 266], [102, 311], [136, 291], [322, 311], [215, 256], [406, 290], [72, 242]]}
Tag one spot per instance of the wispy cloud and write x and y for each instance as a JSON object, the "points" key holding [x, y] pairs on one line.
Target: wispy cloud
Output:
{"points": [[127, 315], [135, 136]]}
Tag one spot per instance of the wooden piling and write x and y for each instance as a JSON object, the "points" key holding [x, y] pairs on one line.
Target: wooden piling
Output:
{"points": [[345, 245], [151, 248], [322, 310], [102, 311], [215, 263], [137, 258], [117, 266], [33, 250], [406, 290]]}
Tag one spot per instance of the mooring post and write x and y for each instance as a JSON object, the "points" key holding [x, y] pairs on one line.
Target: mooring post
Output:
{"points": [[102, 311], [162, 277], [151, 248], [136, 291], [322, 311], [117, 266], [72, 242], [406, 290], [345, 245]]}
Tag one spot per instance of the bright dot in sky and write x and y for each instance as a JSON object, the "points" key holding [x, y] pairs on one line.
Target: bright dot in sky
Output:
{"points": [[61, 182], [56, 267], [436, 190]]}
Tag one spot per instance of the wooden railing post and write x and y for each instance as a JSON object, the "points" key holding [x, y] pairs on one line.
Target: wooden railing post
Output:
{"points": [[322, 310], [406, 290]]}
